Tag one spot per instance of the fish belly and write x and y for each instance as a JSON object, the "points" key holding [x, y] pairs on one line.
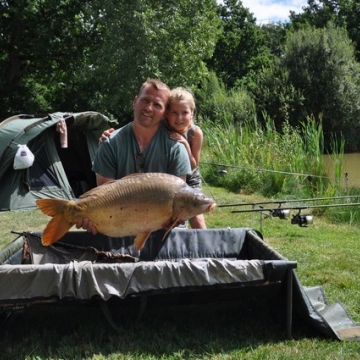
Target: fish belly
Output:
{"points": [[117, 221]]}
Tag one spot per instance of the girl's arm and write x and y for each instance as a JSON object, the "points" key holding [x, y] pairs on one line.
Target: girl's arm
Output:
{"points": [[194, 150], [196, 145]]}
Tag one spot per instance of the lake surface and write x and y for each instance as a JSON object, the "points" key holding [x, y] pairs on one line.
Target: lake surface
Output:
{"points": [[351, 166]]}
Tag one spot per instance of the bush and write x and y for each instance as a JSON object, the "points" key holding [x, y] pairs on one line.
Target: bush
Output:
{"points": [[217, 105]]}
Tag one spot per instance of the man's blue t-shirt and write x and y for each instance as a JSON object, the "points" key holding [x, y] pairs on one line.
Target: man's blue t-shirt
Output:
{"points": [[120, 155]]}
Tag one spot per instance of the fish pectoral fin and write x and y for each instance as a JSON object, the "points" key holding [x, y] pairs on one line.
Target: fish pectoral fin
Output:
{"points": [[170, 228], [141, 239]]}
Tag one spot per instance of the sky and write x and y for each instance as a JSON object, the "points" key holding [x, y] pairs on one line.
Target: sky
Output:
{"points": [[273, 10]]}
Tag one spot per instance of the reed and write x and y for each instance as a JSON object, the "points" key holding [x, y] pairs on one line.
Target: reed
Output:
{"points": [[259, 159]]}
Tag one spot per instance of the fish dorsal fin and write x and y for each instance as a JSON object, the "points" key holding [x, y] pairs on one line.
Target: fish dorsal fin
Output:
{"points": [[131, 175], [140, 240], [95, 190]]}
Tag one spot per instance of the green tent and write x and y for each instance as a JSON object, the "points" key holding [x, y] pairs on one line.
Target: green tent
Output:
{"points": [[56, 172]]}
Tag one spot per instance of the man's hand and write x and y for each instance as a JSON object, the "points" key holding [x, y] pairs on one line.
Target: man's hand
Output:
{"points": [[87, 225]]}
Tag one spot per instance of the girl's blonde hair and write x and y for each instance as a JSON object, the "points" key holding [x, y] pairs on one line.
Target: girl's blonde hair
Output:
{"points": [[182, 95]]}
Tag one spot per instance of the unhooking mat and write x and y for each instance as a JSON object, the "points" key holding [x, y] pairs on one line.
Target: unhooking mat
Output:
{"points": [[187, 258]]}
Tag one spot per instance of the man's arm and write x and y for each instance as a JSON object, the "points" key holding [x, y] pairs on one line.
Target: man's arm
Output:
{"points": [[102, 179]]}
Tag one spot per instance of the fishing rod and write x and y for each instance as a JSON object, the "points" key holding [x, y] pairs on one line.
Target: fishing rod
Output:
{"points": [[280, 202], [295, 207], [283, 213]]}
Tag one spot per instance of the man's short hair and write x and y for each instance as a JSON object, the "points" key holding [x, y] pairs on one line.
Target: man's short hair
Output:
{"points": [[156, 84]]}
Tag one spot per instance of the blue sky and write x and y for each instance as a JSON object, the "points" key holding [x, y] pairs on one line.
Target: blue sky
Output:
{"points": [[273, 10]]}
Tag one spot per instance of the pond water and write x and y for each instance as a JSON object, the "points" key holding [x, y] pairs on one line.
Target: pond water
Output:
{"points": [[350, 171]]}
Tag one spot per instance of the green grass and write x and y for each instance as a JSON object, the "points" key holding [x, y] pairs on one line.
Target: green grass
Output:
{"points": [[327, 255], [20, 221]]}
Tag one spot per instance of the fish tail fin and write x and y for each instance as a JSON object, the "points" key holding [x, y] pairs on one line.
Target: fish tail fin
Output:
{"points": [[140, 240], [58, 226]]}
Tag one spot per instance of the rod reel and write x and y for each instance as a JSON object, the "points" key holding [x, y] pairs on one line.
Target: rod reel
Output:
{"points": [[282, 214], [301, 220]]}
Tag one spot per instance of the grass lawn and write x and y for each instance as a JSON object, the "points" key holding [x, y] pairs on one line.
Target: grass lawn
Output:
{"points": [[327, 255]]}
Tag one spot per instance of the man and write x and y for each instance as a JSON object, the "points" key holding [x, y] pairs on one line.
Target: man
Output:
{"points": [[142, 145]]}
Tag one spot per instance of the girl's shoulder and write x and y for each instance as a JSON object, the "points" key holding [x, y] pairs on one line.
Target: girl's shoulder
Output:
{"points": [[193, 129], [196, 130]]}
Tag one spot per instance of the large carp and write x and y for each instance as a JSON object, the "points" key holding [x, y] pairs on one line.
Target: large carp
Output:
{"points": [[134, 205]]}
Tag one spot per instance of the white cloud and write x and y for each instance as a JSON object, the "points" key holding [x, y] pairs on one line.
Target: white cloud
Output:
{"points": [[273, 10]]}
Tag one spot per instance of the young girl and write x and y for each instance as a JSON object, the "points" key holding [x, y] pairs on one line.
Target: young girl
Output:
{"points": [[179, 119]]}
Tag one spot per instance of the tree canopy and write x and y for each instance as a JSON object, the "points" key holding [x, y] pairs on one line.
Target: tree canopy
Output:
{"points": [[170, 40], [342, 13], [78, 55], [68, 55], [39, 44], [241, 45]]}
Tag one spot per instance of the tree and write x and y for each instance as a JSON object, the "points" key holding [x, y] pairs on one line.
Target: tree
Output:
{"points": [[318, 64], [276, 97], [342, 13], [169, 39], [241, 46], [273, 35], [93, 55], [42, 44]]}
